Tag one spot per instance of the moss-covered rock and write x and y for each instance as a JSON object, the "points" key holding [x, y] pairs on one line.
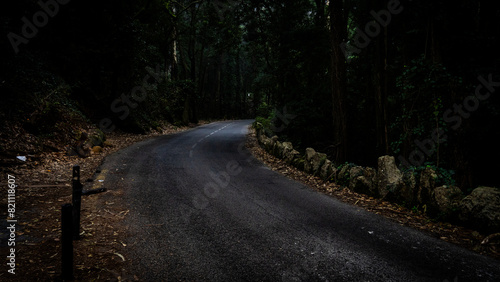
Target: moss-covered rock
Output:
{"points": [[389, 178], [481, 209], [363, 180], [445, 201]]}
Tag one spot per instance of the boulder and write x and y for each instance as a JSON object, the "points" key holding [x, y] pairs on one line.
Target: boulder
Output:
{"points": [[291, 156], [408, 193], [354, 173], [317, 161], [370, 174], [389, 178], [313, 161], [326, 170], [287, 148], [274, 139], [278, 149], [266, 142], [310, 152], [83, 151], [260, 136], [445, 200], [481, 209], [309, 156], [269, 144], [343, 175], [299, 163], [363, 180], [97, 138], [288, 153], [426, 185]]}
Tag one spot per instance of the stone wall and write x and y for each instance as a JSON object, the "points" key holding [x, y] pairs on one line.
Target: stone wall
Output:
{"points": [[480, 209]]}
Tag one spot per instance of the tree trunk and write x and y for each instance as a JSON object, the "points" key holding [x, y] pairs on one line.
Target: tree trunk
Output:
{"points": [[218, 93], [338, 33], [174, 69], [380, 84]]}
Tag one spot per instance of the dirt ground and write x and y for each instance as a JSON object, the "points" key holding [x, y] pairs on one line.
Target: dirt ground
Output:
{"points": [[45, 185]]}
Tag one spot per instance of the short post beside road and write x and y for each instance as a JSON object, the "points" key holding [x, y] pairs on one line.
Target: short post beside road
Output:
{"points": [[77, 201], [67, 242]]}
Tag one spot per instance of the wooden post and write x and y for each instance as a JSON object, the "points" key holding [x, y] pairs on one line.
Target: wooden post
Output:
{"points": [[77, 201], [67, 242]]}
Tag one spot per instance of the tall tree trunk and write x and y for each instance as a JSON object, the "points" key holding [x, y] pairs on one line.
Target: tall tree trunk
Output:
{"points": [[380, 84], [189, 107], [201, 81], [192, 43], [218, 93], [173, 52], [238, 85], [171, 63], [338, 33]]}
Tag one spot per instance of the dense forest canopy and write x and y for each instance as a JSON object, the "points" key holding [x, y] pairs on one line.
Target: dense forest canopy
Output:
{"points": [[354, 79]]}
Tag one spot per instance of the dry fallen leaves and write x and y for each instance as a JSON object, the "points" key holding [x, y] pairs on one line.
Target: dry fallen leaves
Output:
{"points": [[44, 185], [459, 235]]}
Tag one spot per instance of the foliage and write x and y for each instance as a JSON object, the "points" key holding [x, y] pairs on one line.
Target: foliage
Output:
{"points": [[344, 174], [444, 176], [424, 87], [268, 120], [261, 123], [242, 61], [264, 110]]}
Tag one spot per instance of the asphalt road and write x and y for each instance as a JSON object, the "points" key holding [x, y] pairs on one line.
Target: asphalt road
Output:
{"points": [[202, 209]]}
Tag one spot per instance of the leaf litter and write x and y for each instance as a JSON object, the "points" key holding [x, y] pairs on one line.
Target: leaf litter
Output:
{"points": [[459, 235]]}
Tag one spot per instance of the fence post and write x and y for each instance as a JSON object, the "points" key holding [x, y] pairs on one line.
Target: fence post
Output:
{"points": [[67, 242], [77, 201]]}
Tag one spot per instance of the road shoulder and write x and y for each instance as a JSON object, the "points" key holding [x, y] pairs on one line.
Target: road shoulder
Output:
{"points": [[458, 235]]}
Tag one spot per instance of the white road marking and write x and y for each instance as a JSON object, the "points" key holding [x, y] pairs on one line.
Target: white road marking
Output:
{"points": [[201, 140]]}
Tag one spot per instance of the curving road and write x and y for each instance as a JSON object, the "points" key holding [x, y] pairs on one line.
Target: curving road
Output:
{"points": [[201, 208]]}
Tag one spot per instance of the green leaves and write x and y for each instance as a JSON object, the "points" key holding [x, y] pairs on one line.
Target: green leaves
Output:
{"points": [[424, 90]]}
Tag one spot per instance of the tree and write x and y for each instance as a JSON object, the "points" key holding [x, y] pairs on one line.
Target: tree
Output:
{"points": [[338, 33]]}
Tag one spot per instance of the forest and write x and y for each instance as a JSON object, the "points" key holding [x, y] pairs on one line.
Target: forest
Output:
{"points": [[354, 79]]}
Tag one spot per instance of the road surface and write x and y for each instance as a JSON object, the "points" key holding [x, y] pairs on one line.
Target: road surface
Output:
{"points": [[202, 209]]}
